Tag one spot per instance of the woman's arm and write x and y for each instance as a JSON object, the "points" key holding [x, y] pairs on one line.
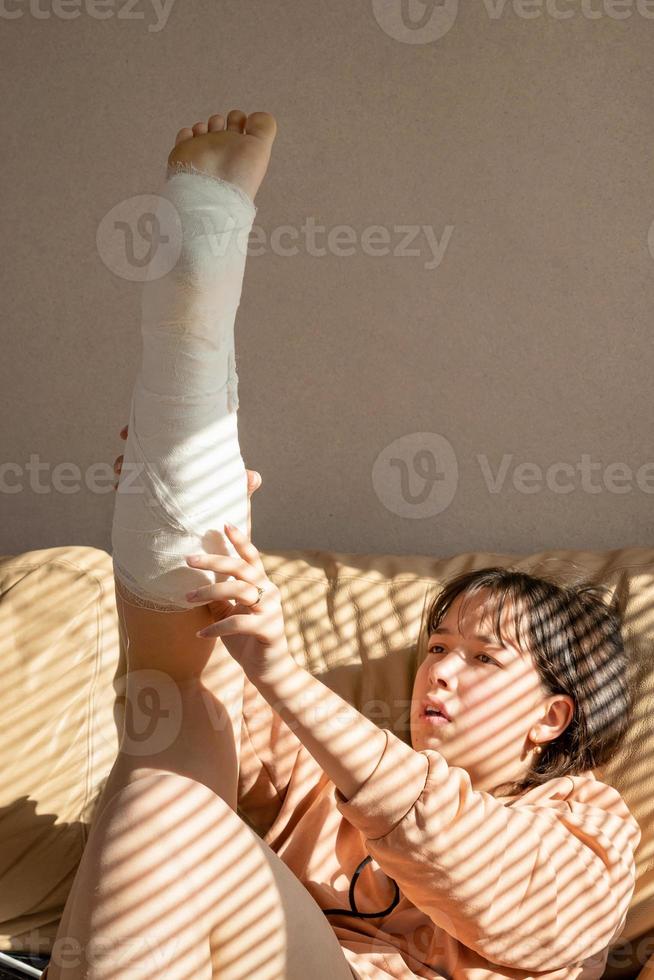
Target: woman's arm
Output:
{"points": [[536, 885], [346, 746], [269, 757]]}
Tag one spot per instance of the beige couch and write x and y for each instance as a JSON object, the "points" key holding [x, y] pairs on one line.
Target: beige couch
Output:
{"points": [[353, 620]]}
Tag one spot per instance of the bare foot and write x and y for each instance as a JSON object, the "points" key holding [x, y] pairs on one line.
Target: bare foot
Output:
{"points": [[239, 153]]}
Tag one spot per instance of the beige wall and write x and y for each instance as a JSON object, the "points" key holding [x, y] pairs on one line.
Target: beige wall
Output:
{"points": [[519, 145]]}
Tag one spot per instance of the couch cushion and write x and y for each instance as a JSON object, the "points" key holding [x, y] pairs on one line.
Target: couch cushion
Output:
{"points": [[59, 653]]}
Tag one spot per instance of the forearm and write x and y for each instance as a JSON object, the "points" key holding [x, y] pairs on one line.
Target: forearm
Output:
{"points": [[345, 744]]}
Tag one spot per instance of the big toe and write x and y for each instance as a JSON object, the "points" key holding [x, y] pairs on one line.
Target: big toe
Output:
{"points": [[261, 125]]}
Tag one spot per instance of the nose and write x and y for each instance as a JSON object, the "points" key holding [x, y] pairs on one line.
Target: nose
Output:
{"points": [[444, 670]]}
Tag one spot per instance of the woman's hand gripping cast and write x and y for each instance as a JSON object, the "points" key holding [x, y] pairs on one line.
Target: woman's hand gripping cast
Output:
{"points": [[246, 608], [252, 624], [247, 612]]}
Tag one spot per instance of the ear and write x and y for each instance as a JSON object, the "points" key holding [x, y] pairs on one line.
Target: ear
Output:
{"points": [[558, 713]]}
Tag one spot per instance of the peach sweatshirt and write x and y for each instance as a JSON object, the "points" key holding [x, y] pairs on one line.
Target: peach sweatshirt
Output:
{"points": [[450, 882]]}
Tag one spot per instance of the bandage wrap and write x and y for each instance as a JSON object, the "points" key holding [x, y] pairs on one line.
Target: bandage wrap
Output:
{"points": [[183, 475]]}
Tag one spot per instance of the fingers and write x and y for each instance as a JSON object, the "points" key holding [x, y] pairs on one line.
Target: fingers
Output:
{"points": [[118, 465], [224, 565], [254, 481], [118, 462], [243, 588], [242, 625], [243, 592], [243, 545]]}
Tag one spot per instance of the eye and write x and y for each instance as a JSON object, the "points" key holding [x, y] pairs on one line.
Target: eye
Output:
{"points": [[437, 647], [490, 659]]}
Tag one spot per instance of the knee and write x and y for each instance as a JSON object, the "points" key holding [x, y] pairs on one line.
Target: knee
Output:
{"points": [[173, 828], [156, 803]]}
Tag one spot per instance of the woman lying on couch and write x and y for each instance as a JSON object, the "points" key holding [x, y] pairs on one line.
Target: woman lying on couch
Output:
{"points": [[264, 828]]}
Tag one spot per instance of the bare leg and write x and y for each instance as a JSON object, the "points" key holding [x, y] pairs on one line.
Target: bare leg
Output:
{"points": [[172, 883], [161, 649]]}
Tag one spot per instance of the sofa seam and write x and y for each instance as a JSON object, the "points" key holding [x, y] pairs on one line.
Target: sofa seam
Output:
{"points": [[385, 580]]}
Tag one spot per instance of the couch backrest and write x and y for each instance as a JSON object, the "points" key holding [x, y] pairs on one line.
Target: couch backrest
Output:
{"points": [[356, 621]]}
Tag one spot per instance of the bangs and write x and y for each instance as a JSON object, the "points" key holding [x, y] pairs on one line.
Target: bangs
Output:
{"points": [[504, 612]]}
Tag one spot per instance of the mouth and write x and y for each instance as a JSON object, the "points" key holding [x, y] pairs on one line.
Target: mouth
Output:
{"points": [[434, 713]]}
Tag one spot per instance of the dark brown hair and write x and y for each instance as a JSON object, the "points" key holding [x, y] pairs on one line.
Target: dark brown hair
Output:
{"points": [[573, 633]]}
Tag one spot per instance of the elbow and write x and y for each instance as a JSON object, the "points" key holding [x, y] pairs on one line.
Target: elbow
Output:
{"points": [[533, 953], [548, 959], [552, 945]]}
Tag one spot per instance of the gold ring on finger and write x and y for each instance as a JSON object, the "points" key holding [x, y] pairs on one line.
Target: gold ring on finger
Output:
{"points": [[261, 591]]}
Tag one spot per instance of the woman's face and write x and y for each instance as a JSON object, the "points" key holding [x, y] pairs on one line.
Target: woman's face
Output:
{"points": [[491, 692]]}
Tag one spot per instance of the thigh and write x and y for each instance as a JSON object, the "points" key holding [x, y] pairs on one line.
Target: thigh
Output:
{"points": [[136, 907], [266, 924], [172, 877]]}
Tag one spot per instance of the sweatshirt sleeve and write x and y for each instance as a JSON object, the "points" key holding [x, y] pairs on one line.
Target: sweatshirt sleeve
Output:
{"points": [[268, 755], [534, 885]]}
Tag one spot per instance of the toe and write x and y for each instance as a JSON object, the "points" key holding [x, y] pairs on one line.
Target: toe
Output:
{"points": [[184, 134], [216, 123], [262, 125], [200, 128], [236, 121]]}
